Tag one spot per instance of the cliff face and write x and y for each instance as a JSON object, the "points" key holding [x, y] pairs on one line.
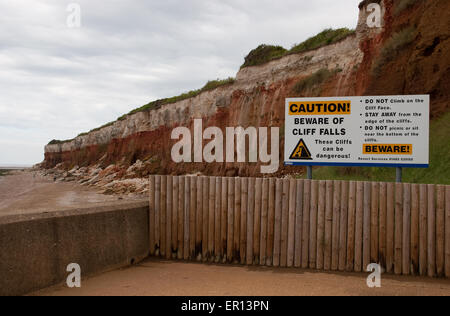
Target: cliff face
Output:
{"points": [[423, 64], [358, 65]]}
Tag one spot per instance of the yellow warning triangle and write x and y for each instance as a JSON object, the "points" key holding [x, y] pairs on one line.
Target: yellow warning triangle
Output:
{"points": [[301, 152]]}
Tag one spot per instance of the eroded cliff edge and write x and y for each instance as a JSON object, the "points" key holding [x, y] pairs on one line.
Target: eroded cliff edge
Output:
{"points": [[409, 54]]}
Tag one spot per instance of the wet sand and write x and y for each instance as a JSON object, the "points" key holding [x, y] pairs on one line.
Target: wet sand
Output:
{"points": [[158, 277], [24, 192]]}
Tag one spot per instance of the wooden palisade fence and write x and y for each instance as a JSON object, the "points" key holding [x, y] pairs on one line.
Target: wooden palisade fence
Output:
{"points": [[324, 225]]}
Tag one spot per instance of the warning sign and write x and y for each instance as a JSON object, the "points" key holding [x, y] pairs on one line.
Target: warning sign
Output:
{"points": [[358, 131], [301, 152]]}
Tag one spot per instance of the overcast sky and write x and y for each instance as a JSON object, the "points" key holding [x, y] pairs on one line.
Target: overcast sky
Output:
{"points": [[56, 81]]}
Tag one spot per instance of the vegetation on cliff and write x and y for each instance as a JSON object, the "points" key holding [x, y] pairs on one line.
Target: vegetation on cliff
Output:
{"points": [[258, 56], [263, 54], [266, 53], [409, 55], [437, 173], [4, 172], [393, 47], [402, 5], [314, 80], [324, 38], [210, 85]]}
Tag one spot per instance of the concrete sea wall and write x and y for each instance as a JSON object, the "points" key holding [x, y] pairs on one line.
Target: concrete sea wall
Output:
{"points": [[35, 250]]}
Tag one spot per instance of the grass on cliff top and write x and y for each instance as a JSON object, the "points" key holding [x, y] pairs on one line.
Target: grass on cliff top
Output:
{"points": [[266, 53], [210, 85], [438, 173], [263, 54], [258, 56], [324, 38]]}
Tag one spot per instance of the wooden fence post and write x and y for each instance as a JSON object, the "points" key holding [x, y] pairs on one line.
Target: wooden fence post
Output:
{"points": [[264, 214], [359, 219], [218, 249], [169, 217], [244, 207], [398, 228], [270, 222], [406, 244], [367, 224], [237, 220], [163, 217], [306, 220], [192, 216], [423, 230], [257, 221], [230, 213], [431, 231], [383, 223], [313, 224], [351, 226], [291, 222], [277, 229], [440, 231], [390, 227], [187, 217], [211, 218], [157, 214], [320, 245], [151, 214], [250, 218], [224, 219], [327, 247], [180, 253], [447, 231], [298, 225], [175, 187], [199, 217], [374, 228], [415, 229], [284, 223], [343, 229], [205, 222], [335, 226]]}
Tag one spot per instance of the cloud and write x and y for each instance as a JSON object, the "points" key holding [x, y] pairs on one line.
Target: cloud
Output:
{"points": [[56, 82]]}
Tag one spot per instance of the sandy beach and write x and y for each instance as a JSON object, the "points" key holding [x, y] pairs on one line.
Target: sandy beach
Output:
{"points": [[160, 277], [23, 192]]}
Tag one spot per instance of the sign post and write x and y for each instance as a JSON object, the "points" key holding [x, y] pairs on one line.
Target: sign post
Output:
{"points": [[309, 172], [399, 175], [377, 131]]}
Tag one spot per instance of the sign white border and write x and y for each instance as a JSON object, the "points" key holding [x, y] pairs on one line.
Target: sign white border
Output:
{"points": [[355, 125]]}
